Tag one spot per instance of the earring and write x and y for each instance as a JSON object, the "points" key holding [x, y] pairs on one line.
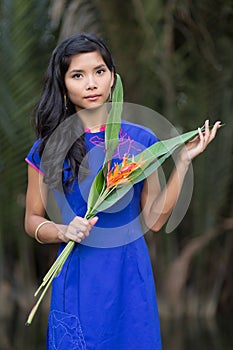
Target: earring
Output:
{"points": [[110, 95], [65, 102]]}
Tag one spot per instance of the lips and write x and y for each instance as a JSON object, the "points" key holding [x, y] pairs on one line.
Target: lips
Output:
{"points": [[92, 97]]}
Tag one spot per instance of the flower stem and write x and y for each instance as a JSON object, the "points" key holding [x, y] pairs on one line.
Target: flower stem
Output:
{"points": [[58, 262], [56, 268], [35, 307]]}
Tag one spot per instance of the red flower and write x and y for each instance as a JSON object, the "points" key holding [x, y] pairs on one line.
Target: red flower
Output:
{"points": [[119, 173]]}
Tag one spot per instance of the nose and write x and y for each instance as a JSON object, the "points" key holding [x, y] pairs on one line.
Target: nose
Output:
{"points": [[91, 83]]}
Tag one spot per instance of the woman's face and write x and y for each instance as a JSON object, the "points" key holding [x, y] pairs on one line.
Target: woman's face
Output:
{"points": [[88, 80]]}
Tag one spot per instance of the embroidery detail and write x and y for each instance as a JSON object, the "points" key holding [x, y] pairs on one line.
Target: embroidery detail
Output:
{"points": [[126, 144], [65, 332]]}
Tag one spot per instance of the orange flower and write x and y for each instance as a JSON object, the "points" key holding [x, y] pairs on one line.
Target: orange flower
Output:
{"points": [[119, 174]]}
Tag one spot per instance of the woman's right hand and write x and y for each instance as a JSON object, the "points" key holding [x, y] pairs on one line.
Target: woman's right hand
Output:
{"points": [[78, 229]]}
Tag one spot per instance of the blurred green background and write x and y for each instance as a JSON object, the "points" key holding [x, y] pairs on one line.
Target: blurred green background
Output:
{"points": [[174, 56]]}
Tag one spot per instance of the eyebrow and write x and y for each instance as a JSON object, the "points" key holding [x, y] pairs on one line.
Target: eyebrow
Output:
{"points": [[81, 70]]}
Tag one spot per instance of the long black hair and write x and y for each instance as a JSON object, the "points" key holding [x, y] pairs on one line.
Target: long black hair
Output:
{"points": [[54, 107]]}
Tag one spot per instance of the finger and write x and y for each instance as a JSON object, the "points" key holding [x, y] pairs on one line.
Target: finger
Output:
{"points": [[80, 224], [214, 130], [206, 134], [76, 235], [201, 144], [74, 230], [79, 220], [80, 235], [201, 136], [86, 229], [207, 131], [73, 237], [93, 221]]}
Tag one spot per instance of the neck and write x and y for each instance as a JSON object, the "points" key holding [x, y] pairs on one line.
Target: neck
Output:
{"points": [[93, 119]]}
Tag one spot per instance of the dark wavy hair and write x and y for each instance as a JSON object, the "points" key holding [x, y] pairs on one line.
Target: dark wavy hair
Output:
{"points": [[53, 109]]}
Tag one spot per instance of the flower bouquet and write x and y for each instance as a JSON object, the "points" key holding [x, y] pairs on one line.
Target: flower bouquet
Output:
{"points": [[112, 183]]}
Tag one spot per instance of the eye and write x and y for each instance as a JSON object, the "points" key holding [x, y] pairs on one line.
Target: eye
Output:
{"points": [[77, 76], [100, 71]]}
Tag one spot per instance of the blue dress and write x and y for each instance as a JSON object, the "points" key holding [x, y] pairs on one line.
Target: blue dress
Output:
{"points": [[104, 298]]}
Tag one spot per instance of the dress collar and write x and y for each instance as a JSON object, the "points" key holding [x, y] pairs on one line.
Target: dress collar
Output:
{"points": [[102, 128]]}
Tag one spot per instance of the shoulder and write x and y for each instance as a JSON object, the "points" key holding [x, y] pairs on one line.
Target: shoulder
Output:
{"points": [[35, 149], [33, 157]]}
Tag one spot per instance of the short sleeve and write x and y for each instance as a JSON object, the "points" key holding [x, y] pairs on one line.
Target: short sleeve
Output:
{"points": [[152, 138], [147, 136], [33, 157]]}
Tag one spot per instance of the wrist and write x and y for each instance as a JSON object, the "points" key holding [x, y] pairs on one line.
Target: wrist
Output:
{"points": [[49, 232], [38, 235], [61, 230], [183, 163]]}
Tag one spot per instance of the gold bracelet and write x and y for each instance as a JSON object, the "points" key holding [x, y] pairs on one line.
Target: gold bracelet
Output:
{"points": [[37, 230]]}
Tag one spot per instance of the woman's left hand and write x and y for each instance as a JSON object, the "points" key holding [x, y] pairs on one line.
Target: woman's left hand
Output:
{"points": [[195, 147]]}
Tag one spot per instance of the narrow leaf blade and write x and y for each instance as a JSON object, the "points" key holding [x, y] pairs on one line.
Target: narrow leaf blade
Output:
{"points": [[114, 120], [96, 189]]}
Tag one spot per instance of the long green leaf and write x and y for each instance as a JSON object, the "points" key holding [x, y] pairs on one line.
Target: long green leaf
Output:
{"points": [[159, 148], [111, 141], [162, 149], [97, 187], [114, 120]]}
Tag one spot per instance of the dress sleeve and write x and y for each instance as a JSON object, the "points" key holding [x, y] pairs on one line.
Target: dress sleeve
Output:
{"points": [[152, 139], [33, 157]]}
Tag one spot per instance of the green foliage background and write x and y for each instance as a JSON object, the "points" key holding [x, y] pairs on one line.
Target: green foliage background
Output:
{"points": [[174, 57]]}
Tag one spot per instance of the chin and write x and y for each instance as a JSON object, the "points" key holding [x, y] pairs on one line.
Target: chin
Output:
{"points": [[95, 107]]}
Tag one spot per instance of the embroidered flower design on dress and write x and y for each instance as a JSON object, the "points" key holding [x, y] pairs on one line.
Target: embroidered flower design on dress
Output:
{"points": [[126, 144], [65, 332]]}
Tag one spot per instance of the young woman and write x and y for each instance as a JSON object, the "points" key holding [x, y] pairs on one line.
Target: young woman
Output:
{"points": [[104, 297]]}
